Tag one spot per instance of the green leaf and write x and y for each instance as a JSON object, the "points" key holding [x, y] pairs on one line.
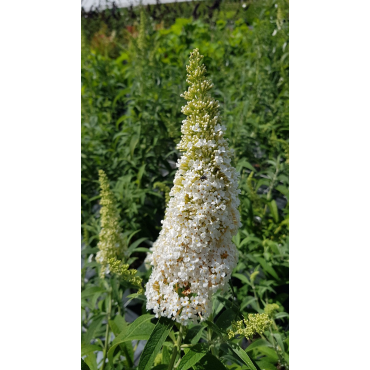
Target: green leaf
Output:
{"points": [[94, 299], [93, 328], [249, 239], [135, 244], [133, 143], [243, 163], [84, 365], [279, 341], [166, 356], [270, 353], [193, 335], [89, 250], [225, 319], [131, 260], [194, 355], [160, 367], [91, 291], [154, 343], [128, 232], [258, 343], [119, 325], [229, 304], [141, 297], [283, 190], [248, 301], [242, 278], [265, 365], [126, 347], [140, 173], [268, 268], [142, 249], [121, 94], [87, 348], [217, 306], [242, 354], [281, 315], [90, 360], [209, 362], [212, 326], [274, 211], [140, 329]]}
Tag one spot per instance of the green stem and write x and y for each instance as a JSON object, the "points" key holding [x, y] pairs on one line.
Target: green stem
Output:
{"points": [[177, 348], [281, 359], [275, 326], [107, 329], [273, 181], [187, 345], [255, 296], [209, 334]]}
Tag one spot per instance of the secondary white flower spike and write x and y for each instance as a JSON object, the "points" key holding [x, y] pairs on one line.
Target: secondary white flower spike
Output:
{"points": [[194, 256]]}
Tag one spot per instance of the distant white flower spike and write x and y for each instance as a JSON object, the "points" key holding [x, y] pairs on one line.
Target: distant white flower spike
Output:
{"points": [[194, 256]]}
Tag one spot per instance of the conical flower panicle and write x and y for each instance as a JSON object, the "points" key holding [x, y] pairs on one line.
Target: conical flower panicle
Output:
{"points": [[111, 245], [110, 242], [194, 256], [141, 41]]}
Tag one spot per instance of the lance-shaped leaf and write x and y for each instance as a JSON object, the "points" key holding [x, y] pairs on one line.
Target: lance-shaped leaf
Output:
{"points": [[242, 354], [193, 356], [209, 362], [155, 342], [140, 329]]}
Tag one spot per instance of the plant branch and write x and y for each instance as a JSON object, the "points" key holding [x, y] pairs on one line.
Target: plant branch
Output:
{"points": [[209, 334], [176, 348], [107, 330]]}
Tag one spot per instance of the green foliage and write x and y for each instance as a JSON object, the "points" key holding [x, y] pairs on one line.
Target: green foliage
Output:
{"points": [[155, 342], [131, 119]]}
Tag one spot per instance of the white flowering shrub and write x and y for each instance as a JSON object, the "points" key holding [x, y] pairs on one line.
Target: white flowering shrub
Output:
{"points": [[193, 320], [194, 254]]}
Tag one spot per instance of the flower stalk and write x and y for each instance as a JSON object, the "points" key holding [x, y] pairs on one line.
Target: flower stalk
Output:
{"points": [[107, 328], [176, 348]]}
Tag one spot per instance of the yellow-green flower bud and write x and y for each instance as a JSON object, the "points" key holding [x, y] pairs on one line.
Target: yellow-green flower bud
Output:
{"points": [[111, 245], [270, 309], [110, 242], [254, 324], [253, 276]]}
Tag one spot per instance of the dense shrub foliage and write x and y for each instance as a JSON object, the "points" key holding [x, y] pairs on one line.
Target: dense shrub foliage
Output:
{"points": [[132, 79]]}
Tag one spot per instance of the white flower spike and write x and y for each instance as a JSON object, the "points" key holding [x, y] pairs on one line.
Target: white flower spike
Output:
{"points": [[194, 255]]}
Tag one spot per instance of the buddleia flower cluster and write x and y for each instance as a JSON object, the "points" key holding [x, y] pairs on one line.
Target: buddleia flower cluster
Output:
{"points": [[194, 255], [111, 245], [254, 324]]}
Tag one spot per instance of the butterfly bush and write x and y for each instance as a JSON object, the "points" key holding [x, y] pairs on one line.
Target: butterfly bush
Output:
{"points": [[194, 255]]}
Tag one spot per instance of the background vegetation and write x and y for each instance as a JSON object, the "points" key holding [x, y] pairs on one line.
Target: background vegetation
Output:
{"points": [[133, 72]]}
